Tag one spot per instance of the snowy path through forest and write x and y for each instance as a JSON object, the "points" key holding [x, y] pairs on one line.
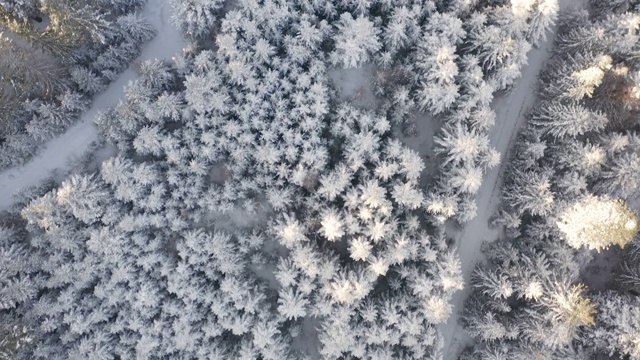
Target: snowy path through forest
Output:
{"points": [[510, 110], [55, 155]]}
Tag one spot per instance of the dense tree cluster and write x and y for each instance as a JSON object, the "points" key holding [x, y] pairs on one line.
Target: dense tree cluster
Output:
{"points": [[148, 257], [463, 57], [569, 189], [56, 54], [252, 214]]}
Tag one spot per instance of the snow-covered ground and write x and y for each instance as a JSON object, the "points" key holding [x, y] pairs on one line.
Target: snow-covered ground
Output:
{"points": [[54, 155], [510, 110], [355, 85]]}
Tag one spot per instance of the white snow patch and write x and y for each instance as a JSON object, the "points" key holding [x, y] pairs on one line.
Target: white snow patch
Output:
{"points": [[240, 219], [307, 341], [219, 173], [510, 110], [355, 85], [420, 138], [55, 154]]}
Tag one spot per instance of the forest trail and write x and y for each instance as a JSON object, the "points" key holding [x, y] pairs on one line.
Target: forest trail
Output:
{"points": [[55, 155], [510, 110]]}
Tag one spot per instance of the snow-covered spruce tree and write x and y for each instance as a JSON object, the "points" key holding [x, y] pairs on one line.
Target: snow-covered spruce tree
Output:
{"points": [[498, 38], [436, 63], [28, 74], [401, 29], [619, 175], [544, 16], [617, 325], [530, 192], [598, 222], [18, 275], [195, 17], [461, 145], [561, 120], [355, 41]]}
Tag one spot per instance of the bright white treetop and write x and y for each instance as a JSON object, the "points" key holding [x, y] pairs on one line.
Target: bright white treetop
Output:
{"points": [[598, 222], [332, 227]]}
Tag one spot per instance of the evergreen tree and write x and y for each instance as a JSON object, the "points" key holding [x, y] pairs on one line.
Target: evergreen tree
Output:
{"points": [[617, 324], [195, 17], [355, 41], [598, 222]]}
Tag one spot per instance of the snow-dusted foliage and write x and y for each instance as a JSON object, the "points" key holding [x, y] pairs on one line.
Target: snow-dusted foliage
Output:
{"points": [[195, 17], [618, 325], [436, 60], [355, 41], [495, 42], [17, 270], [375, 216], [247, 210], [119, 279], [20, 9], [561, 195], [251, 213], [598, 222], [50, 69], [527, 303]]}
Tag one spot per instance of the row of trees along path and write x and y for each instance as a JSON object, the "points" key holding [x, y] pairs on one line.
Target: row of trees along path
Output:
{"points": [[54, 156], [510, 110]]}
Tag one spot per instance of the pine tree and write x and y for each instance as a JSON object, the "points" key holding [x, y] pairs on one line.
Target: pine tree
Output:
{"points": [[84, 195], [619, 177], [543, 18], [530, 192], [135, 28], [560, 120], [73, 23], [292, 304], [460, 145], [27, 73]]}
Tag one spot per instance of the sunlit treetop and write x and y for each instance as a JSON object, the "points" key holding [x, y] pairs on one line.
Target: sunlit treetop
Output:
{"points": [[598, 222]]}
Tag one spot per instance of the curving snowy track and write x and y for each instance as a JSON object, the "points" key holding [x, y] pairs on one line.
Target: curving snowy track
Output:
{"points": [[509, 110], [55, 155]]}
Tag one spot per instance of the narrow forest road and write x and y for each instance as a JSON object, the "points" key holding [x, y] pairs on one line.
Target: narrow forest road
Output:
{"points": [[55, 155], [510, 110]]}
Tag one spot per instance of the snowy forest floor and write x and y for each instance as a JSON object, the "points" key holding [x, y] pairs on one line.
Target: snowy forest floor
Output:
{"points": [[510, 110], [55, 156]]}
